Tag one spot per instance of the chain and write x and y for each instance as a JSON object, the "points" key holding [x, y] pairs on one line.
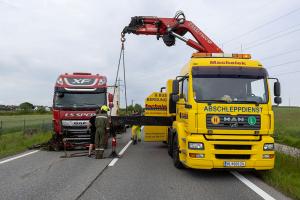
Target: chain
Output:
{"points": [[123, 39]]}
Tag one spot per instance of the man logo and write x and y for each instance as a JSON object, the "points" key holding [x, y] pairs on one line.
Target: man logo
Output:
{"points": [[215, 120]]}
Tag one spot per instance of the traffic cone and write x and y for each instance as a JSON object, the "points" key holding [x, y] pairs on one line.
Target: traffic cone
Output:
{"points": [[113, 147]]}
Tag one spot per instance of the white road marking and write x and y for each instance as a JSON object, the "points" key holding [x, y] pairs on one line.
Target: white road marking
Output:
{"points": [[17, 157], [113, 162], [252, 186]]}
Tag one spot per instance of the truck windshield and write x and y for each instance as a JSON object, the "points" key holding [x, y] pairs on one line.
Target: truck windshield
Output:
{"points": [[235, 90], [79, 99]]}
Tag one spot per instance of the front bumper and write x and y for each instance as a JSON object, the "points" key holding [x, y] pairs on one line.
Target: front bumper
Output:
{"points": [[219, 164], [214, 156]]}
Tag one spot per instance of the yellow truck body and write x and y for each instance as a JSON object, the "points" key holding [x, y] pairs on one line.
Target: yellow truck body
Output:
{"points": [[234, 130], [156, 105]]}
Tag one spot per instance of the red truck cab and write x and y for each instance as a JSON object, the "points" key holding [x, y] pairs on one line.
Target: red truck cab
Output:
{"points": [[76, 97]]}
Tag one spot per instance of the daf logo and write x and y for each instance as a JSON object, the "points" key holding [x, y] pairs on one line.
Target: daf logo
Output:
{"points": [[79, 123]]}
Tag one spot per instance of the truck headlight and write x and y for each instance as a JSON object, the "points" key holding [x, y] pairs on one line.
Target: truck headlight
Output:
{"points": [[196, 145], [268, 146]]}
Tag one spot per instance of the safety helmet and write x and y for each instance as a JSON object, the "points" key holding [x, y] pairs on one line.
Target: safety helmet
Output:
{"points": [[104, 108]]}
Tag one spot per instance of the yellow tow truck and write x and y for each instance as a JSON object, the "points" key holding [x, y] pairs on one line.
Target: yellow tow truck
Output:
{"points": [[217, 113], [222, 110]]}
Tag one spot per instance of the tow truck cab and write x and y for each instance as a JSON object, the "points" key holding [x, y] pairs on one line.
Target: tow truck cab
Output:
{"points": [[224, 116]]}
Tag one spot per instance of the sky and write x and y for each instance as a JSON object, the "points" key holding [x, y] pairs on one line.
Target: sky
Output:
{"points": [[40, 39]]}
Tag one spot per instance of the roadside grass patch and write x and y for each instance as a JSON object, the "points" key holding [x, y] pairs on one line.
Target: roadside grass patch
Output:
{"points": [[17, 142], [287, 125], [285, 176]]}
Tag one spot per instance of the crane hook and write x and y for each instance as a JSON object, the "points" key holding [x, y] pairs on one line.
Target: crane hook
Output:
{"points": [[123, 39]]}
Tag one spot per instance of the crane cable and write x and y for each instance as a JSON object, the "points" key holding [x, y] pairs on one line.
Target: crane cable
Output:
{"points": [[121, 57]]}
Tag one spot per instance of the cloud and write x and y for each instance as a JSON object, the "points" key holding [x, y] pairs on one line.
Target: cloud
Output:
{"points": [[42, 39]]}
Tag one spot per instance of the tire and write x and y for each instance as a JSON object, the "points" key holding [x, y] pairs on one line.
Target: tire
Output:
{"points": [[175, 151], [56, 143], [170, 149]]}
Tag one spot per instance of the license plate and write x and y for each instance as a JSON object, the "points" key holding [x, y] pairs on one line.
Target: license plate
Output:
{"points": [[234, 164]]}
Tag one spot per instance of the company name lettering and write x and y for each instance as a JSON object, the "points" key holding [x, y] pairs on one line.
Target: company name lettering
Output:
{"points": [[156, 99], [232, 109], [155, 107], [79, 114], [227, 63], [200, 32]]}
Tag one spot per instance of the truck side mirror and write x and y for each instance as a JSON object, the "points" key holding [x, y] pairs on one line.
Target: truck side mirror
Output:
{"points": [[175, 97], [172, 103], [277, 100], [175, 87], [277, 89]]}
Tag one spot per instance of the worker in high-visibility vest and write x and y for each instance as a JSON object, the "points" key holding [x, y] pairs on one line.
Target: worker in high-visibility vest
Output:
{"points": [[136, 131], [102, 127]]}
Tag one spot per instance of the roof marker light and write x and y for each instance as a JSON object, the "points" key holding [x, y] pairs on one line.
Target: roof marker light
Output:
{"points": [[221, 55]]}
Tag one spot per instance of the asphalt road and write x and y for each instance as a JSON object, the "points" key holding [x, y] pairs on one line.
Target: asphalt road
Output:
{"points": [[144, 171], [45, 175]]}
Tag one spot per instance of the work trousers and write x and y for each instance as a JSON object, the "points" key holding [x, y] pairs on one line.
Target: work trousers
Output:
{"points": [[136, 132], [100, 138]]}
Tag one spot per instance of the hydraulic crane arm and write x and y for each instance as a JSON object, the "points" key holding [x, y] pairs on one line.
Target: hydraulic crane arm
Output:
{"points": [[171, 28]]}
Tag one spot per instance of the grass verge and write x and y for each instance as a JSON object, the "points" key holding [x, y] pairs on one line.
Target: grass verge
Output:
{"points": [[287, 126], [17, 142], [285, 176]]}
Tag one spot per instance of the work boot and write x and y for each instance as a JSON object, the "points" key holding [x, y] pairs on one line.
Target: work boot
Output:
{"points": [[99, 153]]}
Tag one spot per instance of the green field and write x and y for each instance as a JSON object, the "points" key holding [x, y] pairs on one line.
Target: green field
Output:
{"points": [[15, 132], [17, 142], [14, 123], [287, 125]]}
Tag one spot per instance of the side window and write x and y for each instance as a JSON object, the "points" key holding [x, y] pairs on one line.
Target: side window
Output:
{"points": [[258, 90], [185, 89]]}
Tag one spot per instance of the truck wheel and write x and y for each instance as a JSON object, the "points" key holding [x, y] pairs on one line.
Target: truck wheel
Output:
{"points": [[175, 149], [170, 149], [56, 143]]}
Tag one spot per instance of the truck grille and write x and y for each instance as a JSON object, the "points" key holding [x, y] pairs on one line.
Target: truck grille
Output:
{"points": [[238, 122], [232, 147], [76, 132], [233, 156]]}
